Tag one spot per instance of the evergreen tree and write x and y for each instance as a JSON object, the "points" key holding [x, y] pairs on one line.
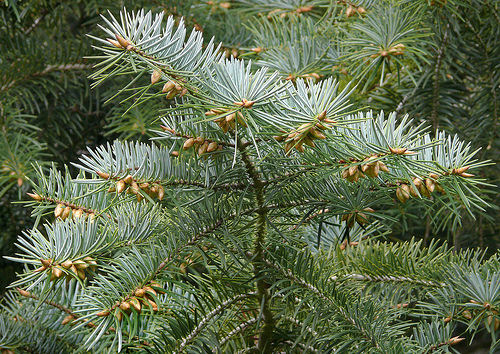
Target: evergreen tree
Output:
{"points": [[258, 195]]}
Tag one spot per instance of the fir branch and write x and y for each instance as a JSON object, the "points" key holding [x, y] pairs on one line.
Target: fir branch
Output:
{"points": [[204, 321], [48, 302], [43, 198], [265, 337], [243, 326], [435, 89], [387, 279], [60, 307], [48, 70]]}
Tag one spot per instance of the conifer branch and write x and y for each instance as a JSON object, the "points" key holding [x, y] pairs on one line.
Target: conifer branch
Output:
{"points": [[265, 337], [48, 70], [437, 79], [387, 279], [204, 321], [240, 328]]}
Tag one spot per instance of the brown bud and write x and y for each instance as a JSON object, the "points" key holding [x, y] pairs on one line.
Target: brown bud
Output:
{"points": [[140, 292], [103, 175], [81, 274], [57, 272], [103, 313], [58, 210], [308, 141], [123, 42], [455, 340], [77, 213], [66, 213], [120, 186], [67, 264], [288, 146], [135, 304], [383, 167], [67, 320], [91, 262], [129, 179], [350, 11], [361, 218], [34, 196], [115, 43], [430, 185], [149, 290], [398, 151], [161, 192], [171, 94], [23, 292], [119, 316], [403, 193], [155, 77], [212, 146], [125, 306], [188, 143], [46, 262], [203, 148], [80, 264], [74, 270], [460, 170], [168, 87], [316, 134], [153, 304], [199, 140], [134, 187], [466, 175]]}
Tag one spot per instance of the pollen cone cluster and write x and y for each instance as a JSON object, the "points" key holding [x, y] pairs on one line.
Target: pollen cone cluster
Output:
{"points": [[422, 187], [143, 298], [357, 216], [172, 89], [69, 269], [227, 121], [130, 186], [353, 10], [63, 211], [201, 145], [306, 134], [461, 172], [370, 167]]}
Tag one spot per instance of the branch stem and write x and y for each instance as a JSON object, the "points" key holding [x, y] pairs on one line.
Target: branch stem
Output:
{"points": [[265, 337]]}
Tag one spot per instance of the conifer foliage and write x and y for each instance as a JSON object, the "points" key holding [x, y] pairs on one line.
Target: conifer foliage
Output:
{"points": [[259, 216]]}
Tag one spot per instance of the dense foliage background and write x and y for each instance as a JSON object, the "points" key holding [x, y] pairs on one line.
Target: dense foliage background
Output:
{"points": [[445, 74]]}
